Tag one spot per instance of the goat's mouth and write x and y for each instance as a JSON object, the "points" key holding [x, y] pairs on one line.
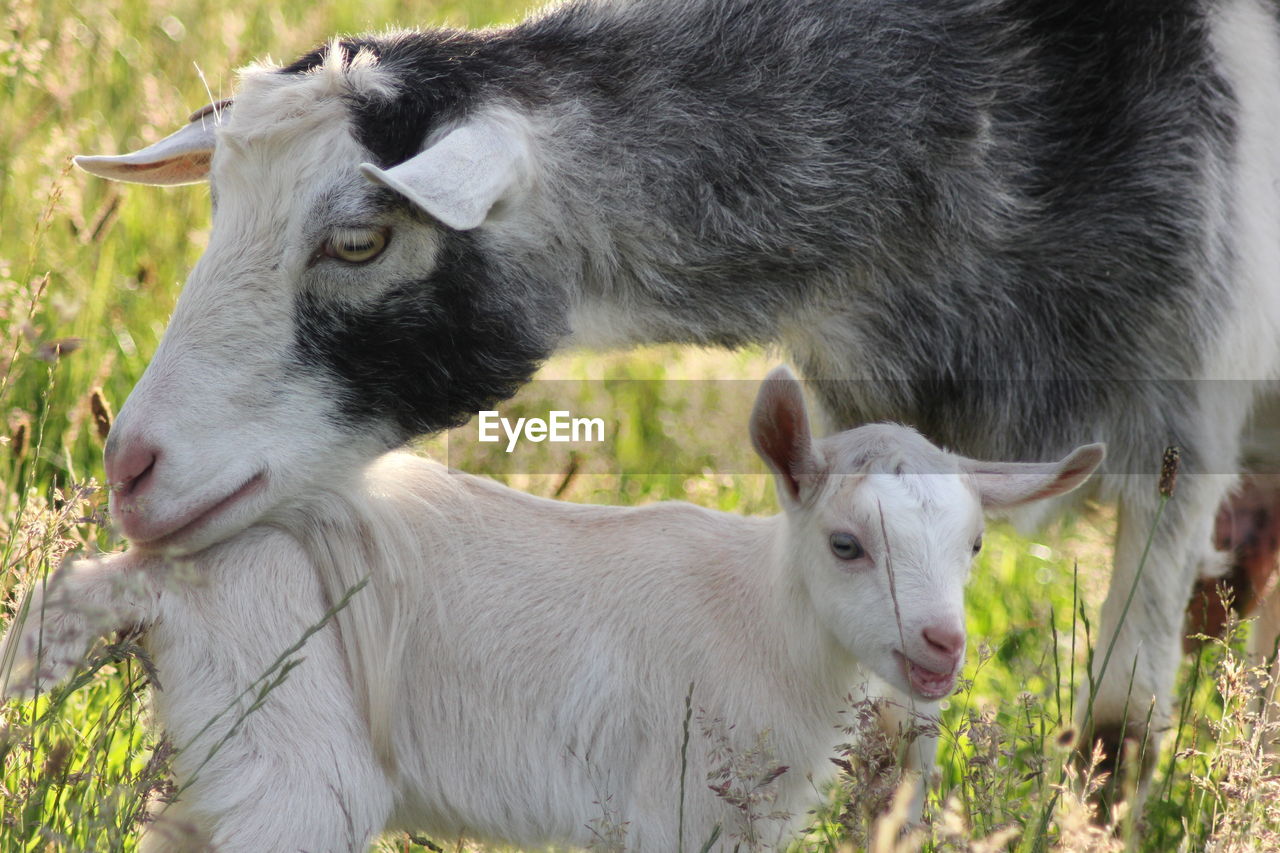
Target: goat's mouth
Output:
{"points": [[926, 683], [171, 535]]}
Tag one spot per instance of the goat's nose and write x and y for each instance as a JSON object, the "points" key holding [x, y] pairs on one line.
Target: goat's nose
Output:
{"points": [[129, 464], [949, 640]]}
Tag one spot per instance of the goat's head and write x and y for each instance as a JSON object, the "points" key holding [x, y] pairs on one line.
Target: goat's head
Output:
{"points": [[883, 527], [347, 299]]}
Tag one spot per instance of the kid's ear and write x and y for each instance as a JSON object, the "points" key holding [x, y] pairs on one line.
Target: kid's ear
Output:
{"points": [[1004, 485], [781, 435]]}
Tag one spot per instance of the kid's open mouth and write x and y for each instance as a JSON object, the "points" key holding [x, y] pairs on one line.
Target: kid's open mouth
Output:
{"points": [[925, 682]]}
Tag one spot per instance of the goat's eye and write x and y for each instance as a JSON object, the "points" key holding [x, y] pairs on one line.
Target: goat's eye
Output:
{"points": [[846, 546], [355, 245], [977, 545]]}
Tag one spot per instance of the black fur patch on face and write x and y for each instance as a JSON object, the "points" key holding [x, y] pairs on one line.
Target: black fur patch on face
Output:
{"points": [[442, 74], [431, 353]]}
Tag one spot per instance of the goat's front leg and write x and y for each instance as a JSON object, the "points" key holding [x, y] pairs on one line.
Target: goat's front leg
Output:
{"points": [[1138, 647], [289, 767], [274, 750], [64, 613], [311, 801]]}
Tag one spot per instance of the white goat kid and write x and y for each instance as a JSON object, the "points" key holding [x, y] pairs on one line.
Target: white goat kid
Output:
{"points": [[516, 662]]}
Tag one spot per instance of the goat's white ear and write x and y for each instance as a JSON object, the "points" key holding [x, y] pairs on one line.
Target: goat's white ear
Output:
{"points": [[463, 175], [1004, 485], [781, 435], [179, 158]]}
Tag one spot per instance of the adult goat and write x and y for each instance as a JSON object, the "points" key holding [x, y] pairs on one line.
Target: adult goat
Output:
{"points": [[1018, 224]]}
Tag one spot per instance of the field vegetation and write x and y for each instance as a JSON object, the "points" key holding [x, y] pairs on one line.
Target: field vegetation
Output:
{"points": [[88, 275]]}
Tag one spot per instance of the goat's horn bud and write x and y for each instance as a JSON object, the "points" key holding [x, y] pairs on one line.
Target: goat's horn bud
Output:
{"points": [[216, 107]]}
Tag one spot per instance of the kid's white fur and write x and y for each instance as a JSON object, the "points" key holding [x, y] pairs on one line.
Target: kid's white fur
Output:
{"points": [[514, 662]]}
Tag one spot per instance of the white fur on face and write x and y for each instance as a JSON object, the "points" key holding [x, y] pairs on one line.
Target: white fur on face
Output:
{"points": [[224, 400], [919, 528]]}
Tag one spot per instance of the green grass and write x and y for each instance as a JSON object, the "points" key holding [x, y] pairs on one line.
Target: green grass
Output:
{"points": [[88, 275]]}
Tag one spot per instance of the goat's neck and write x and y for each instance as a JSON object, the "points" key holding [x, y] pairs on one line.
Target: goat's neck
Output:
{"points": [[638, 267]]}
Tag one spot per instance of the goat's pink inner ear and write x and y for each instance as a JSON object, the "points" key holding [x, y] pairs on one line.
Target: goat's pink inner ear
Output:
{"points": [[189, 167], [1004, 485], [780, 431], [183, 157]]}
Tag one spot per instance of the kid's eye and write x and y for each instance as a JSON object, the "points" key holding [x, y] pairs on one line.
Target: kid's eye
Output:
{"points": [[846, 546], [355, 245], [977, 545]]}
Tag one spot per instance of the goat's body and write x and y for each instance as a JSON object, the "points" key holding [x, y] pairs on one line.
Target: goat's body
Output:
{"points": [[1018, 224], [1001, 221], [527, 682], [519, 670]]}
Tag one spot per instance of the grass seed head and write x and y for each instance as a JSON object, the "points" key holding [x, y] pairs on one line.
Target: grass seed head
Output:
{"points": [[1169, 470], [100, 409]]}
